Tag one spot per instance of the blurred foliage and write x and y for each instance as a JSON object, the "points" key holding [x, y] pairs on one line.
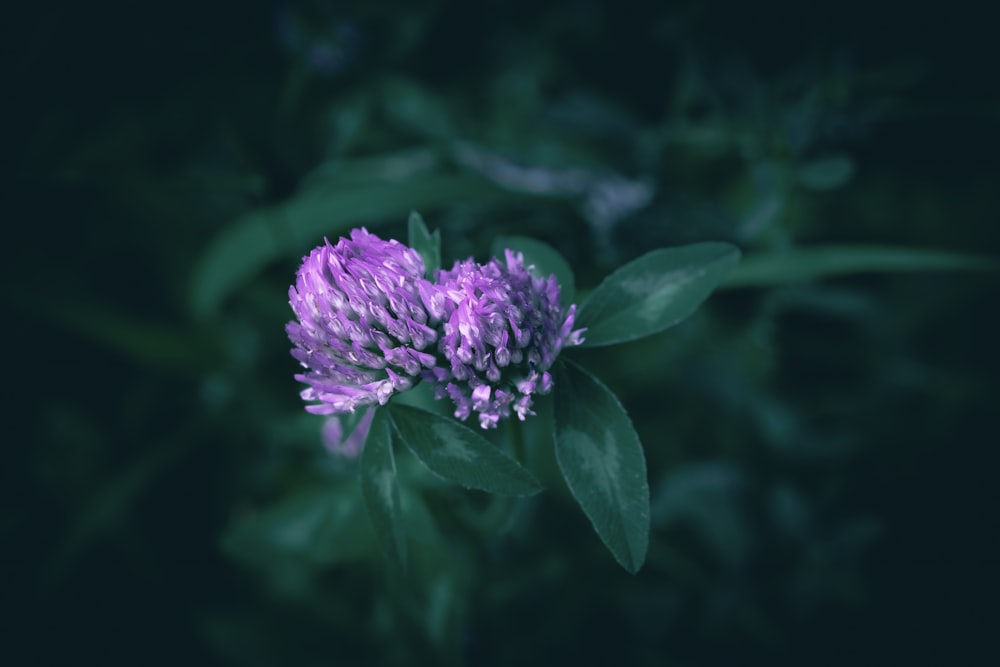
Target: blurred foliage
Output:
{"points": [[817, 443]]}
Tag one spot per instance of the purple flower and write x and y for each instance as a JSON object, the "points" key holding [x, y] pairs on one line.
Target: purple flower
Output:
{"points": [[370, 325], [349, 446], [502, 330], [363, 309]]}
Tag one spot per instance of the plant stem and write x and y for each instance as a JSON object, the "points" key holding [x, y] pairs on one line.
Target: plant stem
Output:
{"points": [[517, 441]]}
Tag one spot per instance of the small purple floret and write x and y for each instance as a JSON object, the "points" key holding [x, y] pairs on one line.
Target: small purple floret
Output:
{"points": [[363, 308], [350, 445], [502, 330]]}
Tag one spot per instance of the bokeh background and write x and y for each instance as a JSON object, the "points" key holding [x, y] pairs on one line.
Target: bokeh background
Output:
{"points": [[821, 453]]}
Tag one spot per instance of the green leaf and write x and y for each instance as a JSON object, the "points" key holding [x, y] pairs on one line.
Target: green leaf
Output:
{"points": [[380, 489], [804, 264], [317, 525], [542, 260], [411, 106], [602, 461], [459, 454], [425, 243], [827, 173], [263, 236], [654, 292]]}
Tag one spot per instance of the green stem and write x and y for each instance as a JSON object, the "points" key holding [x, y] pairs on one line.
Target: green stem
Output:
{"points": [[517, 448]]}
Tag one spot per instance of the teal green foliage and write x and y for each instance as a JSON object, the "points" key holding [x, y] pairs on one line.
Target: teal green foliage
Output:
{"points": [[654, 292], [775, 446], [380, 488], [601, 458], [599, 454], [802, 265], [424, 242], [459, 454]]}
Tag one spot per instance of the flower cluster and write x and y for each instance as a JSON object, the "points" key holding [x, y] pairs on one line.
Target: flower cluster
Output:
{"points": [[363, 324], [503, 329], [370, 325]]}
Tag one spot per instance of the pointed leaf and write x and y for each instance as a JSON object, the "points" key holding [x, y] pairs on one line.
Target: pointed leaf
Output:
{"points": [[425, 243], [380, 488], [804, 264], [601, 458], [654, 292], [459, 454], [542, 260]]}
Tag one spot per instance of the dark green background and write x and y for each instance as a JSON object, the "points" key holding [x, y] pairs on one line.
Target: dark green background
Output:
{"points": [[134, 133]]}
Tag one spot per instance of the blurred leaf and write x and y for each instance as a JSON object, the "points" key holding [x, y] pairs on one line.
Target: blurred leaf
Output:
{"points": [[114, 502], [789, 511], [346, 121], [411, 106], [419, 523], [707, 496], [319, 525], [246, 247], [827, 173], [766, 211], [542, 260], [654, 292], [459, 454], [804, 264], [380, 489], [425, 243], [443, 608], [151, 345], [396, 167], [602, 461]]}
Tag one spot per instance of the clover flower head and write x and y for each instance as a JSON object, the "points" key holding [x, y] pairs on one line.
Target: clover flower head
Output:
{"points": [[363, 322], [502, 330]]}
